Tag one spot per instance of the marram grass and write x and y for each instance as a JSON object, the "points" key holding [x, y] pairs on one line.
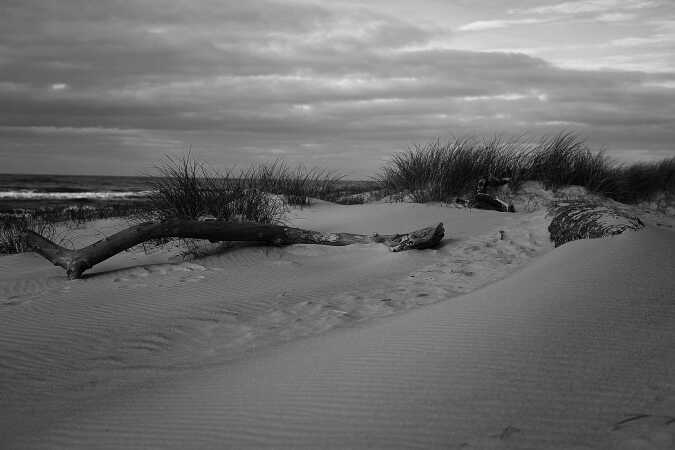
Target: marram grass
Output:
{"points": [[441, 171], [581, 219]]}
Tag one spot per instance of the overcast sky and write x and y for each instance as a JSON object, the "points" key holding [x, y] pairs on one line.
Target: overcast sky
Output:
{"points": [[109, 87]]}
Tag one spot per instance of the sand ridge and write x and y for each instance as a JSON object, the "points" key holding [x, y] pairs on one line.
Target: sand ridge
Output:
{"points": [[140, 317]]}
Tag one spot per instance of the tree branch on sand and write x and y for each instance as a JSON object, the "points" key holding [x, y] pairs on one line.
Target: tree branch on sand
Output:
{"points": [[75, 262]]}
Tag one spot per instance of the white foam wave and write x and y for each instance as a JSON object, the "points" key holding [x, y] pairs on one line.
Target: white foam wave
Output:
{"points": [[32, 195]]}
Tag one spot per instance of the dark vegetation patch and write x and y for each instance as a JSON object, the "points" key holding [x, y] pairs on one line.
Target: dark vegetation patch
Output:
{"points": [[582, 219], [189, 190], [42, 217], [440, 172]]}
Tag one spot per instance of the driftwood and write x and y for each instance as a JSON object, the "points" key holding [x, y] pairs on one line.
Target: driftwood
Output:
{"points": [[482, 199], [77, 261], [487, 201]]}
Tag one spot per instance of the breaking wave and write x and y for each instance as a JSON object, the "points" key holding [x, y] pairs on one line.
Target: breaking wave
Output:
{"points": [[39, 195]]}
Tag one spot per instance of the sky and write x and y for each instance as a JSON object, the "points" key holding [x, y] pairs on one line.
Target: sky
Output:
{"points": [[112, 87]]}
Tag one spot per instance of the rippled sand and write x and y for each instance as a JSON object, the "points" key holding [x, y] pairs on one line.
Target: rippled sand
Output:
{"points": [[493, 340]]}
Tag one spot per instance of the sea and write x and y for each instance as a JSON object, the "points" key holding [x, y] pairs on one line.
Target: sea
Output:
{"points": [[71, 187], [21, 194]]}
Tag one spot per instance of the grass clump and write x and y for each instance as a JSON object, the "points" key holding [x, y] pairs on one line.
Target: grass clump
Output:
{"points": [[45, 220], [187, 189], [439, 172], [12, 229], [643, 181], [298, 185], [564, 160]]}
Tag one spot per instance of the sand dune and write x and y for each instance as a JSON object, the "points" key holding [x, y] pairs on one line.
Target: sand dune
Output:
{"points": [[142, 317], [575, 351]]}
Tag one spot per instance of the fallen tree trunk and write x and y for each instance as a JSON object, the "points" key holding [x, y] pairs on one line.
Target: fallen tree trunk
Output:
{"points": [[77, 261]]}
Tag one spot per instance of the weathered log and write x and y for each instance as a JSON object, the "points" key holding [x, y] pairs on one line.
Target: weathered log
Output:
{"points": [[77, 261], [486, 201]]}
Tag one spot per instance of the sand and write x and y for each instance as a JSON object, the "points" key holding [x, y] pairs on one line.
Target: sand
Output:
{"points": [[495, 340]]}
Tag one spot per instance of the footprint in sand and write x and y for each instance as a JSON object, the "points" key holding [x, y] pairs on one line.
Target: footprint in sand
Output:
{"points": [[193, 279], [170, 275], [13, 300], [498, 441], [643, 432], [653, 429], [189, 267]]}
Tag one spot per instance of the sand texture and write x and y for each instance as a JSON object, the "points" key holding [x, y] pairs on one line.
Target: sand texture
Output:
{"points": [[292, 347]]}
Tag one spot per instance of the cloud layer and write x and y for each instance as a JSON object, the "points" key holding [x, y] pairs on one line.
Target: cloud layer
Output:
{"points": [[111, 86]]}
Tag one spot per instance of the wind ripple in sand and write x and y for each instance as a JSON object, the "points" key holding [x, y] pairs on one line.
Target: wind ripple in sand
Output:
{"points": [[118, 329], [460, 267], [137, 320], [142, 340], [20, 281], [573, 353]]}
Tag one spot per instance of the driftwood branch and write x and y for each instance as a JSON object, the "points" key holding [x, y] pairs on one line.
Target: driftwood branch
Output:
{"points": [[77, 261]]}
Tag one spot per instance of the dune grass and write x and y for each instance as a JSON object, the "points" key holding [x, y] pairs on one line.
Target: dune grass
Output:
{"points": [[298, 185], [12, 229], [440, 172], [44, 220], [188, 189], [436, 172], [583, 219]]}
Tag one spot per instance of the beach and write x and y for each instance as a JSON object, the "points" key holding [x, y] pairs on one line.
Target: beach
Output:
{"points": [[303, 224], [493, 340]]}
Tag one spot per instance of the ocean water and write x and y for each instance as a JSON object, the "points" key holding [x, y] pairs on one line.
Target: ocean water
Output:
{"points": [[20, 193], [71, 187]]}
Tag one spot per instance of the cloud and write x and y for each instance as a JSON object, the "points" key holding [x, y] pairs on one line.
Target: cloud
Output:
{"points": [[239, 80], [597, 10], [640, 41], [492, 24], [58, 87], [615, 17], [587, 6]]}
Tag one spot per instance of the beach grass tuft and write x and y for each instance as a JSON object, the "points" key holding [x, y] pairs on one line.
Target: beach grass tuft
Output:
{"points": [[44, 220], [437, 172], [12, 229], [297, 184], [188, 189], [440, 172]]}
